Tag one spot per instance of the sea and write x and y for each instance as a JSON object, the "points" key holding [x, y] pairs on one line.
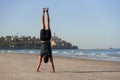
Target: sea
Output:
{"points": [[97, 54]]}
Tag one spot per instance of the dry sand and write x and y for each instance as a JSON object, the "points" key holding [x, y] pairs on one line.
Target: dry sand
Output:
{"points": [[15, 66]]}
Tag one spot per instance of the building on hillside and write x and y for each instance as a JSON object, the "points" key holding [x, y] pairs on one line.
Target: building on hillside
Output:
{"points": [[54, 40], [58, 43]]}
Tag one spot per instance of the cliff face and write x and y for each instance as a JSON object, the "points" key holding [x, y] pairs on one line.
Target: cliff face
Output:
{"points": [[28, 42]]}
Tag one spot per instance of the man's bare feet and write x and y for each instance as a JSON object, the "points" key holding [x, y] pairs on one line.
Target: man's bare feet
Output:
{"points": [[47, 9], [43, 10]]}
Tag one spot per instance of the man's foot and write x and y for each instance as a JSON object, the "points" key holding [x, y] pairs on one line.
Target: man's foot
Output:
{"points": [[47, 9], [43, 10], [37, 71], [52, 71]]}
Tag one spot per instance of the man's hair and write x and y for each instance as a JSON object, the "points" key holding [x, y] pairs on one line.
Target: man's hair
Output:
{"points": [[46, 58]]}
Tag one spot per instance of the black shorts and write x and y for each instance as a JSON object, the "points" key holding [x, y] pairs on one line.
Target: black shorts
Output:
{"points": [[46, 49], [45, 35]]}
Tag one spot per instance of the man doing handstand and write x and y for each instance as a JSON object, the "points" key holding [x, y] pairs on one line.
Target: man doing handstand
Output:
{"points": [[45, 36]]}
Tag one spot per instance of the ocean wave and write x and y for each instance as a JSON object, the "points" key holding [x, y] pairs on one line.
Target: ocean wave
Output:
{"points": [[54, 52], [102, 55], [31, 52], [118, 52], [9, 51], [80, 54], [2, 51], [72, 51], [65, 52]]}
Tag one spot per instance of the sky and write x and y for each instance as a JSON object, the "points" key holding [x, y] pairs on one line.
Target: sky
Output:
{"points": [[86, 23]]}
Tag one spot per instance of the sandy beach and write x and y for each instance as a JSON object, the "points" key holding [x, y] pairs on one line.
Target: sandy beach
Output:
{"points": [[14, 66]]}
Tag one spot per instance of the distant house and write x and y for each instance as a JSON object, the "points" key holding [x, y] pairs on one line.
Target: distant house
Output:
{"points": [[58, 43], [8, 39], [54, 40]]}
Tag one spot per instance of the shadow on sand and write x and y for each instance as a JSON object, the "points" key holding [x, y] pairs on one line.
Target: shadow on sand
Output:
{"points": [[84, 71]]}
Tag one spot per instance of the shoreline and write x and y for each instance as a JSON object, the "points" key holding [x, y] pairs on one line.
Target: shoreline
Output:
{"points": [[63, 55], [15, 66]]}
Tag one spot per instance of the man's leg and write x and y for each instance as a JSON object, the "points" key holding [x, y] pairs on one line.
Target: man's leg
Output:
{"points": [[48, 34], [42, 36], [47, 20], [43, 20], [39, 63]]}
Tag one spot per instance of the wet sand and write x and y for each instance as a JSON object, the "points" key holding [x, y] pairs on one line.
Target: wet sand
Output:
{"points": [[14, 66]]}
